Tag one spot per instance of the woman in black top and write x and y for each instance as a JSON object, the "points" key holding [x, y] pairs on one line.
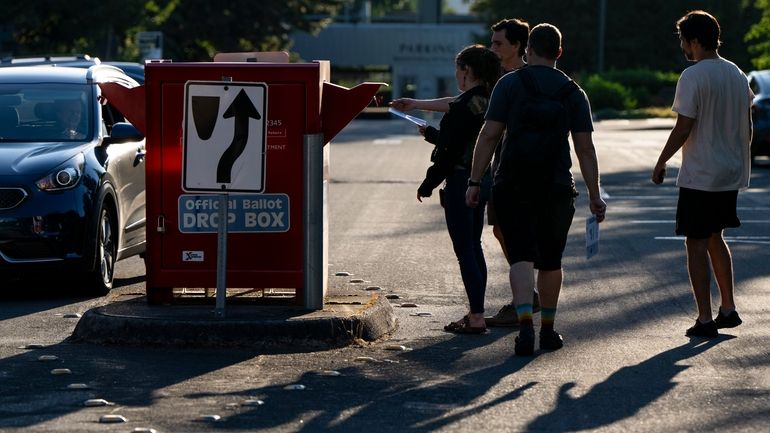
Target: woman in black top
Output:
{"points": [[477, 70]]}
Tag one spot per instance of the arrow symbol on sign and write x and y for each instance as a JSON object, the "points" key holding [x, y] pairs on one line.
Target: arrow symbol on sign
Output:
{"points": [[242, 109]]}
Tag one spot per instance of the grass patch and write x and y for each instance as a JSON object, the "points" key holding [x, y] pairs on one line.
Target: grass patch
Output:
{"points": [[637, 113]]}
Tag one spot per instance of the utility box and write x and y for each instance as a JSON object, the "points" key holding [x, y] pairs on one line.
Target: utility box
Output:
{"points": [[256, 131]]}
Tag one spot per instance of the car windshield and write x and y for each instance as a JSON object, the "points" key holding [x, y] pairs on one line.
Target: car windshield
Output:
{"points": [[45, 112]]}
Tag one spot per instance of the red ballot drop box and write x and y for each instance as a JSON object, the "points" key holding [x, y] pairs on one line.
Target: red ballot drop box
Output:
{"points": [[258, 132]]}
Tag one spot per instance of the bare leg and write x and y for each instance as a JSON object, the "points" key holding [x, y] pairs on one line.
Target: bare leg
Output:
{"points": [[699, 269], [499, 236], [522, 276], [722, 263], [549, 287]]}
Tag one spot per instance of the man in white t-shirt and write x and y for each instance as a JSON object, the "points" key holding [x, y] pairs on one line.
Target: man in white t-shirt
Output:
{"points": [[713, 129]]}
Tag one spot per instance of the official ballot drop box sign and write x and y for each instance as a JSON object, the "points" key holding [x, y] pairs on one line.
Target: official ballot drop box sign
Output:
{"points": [[256, 129]]}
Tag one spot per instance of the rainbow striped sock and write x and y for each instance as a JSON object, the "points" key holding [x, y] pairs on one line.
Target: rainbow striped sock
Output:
{"points": [[547, 317], [524, 311]]}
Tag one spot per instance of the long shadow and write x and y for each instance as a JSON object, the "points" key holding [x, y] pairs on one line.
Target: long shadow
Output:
{"points": [[32, 396], [385, 397], [430, 388], [23, 296], [417, 396], [623, 394]]}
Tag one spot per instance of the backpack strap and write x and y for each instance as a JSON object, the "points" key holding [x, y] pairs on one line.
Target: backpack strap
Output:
{"points": [[565, 90]]}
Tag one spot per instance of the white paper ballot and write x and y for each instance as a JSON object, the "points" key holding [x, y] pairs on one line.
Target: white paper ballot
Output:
{"points": [[416, 120], [592, 236]]}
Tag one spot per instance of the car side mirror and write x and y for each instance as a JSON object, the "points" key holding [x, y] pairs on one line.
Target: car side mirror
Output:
{"points": [[124, 132]]}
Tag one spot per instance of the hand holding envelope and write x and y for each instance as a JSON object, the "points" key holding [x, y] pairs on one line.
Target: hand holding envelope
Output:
{"points": [[416, 120]]}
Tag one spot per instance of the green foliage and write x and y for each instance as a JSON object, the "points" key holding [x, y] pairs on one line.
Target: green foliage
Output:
{"points": [[649, 88], [637, 113], [194, 29], [382, 7], [759, 37], [75, 26], [608, 94], [623, 90], [638, 33]]}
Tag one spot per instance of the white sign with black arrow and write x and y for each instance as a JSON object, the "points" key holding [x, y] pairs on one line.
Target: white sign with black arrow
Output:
{"points": [[225, 136]]}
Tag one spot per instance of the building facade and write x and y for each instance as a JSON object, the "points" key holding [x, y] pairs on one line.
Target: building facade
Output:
{"points": [[417, 56]]}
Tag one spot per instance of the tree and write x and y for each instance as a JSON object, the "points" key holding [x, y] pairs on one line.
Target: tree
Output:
{"points": [[759, 36], [194, 30], [639, 33], [75, 26], [197, 29]]}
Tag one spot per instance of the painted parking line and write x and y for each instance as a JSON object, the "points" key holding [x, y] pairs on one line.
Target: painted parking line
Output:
{"points": [[387, 141], [673, 222], [764, 240], [640, 197], [673, 208]]}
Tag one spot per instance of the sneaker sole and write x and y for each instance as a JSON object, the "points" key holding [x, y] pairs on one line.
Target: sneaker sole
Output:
{"points": [[728, 325], [549, 347], [523, 351], [701, 334]]}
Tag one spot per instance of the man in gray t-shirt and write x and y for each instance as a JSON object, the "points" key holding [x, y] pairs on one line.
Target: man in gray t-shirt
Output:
{"points": [[535, 215]]}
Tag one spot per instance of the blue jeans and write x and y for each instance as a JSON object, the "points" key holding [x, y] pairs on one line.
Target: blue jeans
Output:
{"points": [[465, 226]]}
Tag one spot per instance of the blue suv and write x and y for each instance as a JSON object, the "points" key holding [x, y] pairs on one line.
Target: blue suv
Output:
{"points": [[72, 192]]}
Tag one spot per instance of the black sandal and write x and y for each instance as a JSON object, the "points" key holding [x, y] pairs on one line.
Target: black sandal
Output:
{"points": [[455, 326]]}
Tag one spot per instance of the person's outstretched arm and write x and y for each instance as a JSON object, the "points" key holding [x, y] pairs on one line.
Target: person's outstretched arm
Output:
{"points": [[408, 104]]}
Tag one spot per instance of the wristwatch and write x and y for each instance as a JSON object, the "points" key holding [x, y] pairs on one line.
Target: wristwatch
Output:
{"points": [[472, 182]]}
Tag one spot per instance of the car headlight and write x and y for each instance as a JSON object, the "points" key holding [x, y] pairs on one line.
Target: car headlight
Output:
{"points": [[64, 176]]}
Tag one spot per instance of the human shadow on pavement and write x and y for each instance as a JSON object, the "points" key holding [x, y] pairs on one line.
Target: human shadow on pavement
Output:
{"points": [[623, 394], [421, 392]]}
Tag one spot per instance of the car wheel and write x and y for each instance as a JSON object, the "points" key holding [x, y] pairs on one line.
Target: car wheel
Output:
{"points": [[101, 276]]}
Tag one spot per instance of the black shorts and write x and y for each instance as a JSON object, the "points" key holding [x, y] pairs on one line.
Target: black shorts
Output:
{"points": [[699, 214], [535, 225]]}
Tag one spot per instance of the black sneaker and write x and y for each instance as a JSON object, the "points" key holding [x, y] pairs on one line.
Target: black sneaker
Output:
{"points": [[708, 330], [727, 321], [525, 342], [550, 340], [505, 317]]}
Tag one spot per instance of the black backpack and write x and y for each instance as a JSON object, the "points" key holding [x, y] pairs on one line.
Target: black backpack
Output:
{"points": [[543, 130]]}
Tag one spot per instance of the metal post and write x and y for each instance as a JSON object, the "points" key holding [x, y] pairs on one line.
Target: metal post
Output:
{"points": [[221, 254], [602, 31], [313, 216], [222, 214]]}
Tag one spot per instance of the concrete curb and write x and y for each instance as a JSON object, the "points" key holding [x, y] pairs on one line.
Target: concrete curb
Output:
{"points": [[342, 321]]}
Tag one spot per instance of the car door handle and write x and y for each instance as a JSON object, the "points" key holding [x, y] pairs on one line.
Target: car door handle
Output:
{"points": [[139, 157]]}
